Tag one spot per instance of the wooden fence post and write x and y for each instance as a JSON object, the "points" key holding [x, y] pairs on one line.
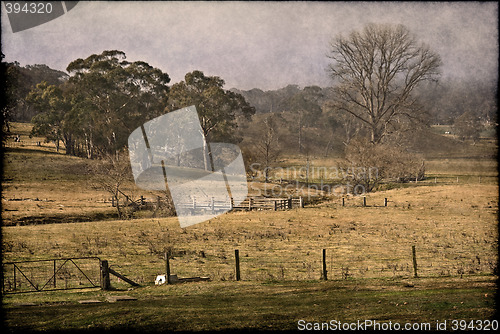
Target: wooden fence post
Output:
{"points": [[290, 203], [301, 201], [167, 266], [231, 203], [212, 204], [275, 206], [414, 261], [237, 263], [105, 283], [325, 275], [364, 201], [385, 201], [54, 274], [343, 201], [15, 280]]}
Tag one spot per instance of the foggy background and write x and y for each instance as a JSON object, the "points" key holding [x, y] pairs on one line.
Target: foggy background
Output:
{"points": [[264, 45]]}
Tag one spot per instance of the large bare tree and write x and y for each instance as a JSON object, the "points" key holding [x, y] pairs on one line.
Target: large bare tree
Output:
{"points": [[376, 70]]}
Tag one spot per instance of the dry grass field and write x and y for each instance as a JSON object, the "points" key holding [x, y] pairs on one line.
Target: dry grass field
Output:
{"points": [[453, 227]]}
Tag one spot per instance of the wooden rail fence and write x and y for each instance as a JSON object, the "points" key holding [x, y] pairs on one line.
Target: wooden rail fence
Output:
{"points": [[210, 204]]}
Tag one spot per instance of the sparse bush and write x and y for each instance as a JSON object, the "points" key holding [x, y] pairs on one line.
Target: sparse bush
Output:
{"points": [[367, 164]]}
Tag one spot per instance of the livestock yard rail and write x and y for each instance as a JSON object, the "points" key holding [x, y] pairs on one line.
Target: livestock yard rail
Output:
{"points": [[210, 204]]}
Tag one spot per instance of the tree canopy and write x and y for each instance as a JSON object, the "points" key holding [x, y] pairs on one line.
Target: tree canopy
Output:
{"points": [[377, 71], [217, 108], [104, 100]]}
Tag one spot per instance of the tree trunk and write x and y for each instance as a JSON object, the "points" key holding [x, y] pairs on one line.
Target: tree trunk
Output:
{"points": [[207, 155], [300, 132], [118, 207], [376, 136]]}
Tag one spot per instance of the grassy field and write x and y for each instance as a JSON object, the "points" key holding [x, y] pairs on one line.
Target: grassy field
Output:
{"points": [[263, 306], [453, 227]]}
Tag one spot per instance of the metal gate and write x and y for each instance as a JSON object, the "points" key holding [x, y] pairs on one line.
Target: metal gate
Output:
{"points": [[52, 274]]}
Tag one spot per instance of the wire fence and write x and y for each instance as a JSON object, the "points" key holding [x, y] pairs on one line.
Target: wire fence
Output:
{"points": [[340, 263]]}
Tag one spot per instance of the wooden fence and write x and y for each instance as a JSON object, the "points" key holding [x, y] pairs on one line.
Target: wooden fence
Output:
{"points": [[210, 204]]}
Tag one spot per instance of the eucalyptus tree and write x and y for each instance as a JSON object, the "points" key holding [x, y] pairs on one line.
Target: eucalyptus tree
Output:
{"points": [[217, 108], [112, 96], [52, 119]]}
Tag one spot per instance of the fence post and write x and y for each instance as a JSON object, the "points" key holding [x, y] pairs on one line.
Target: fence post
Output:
{"points": [[414, 261], [457, 179], [301, 202], [364, 201], [113, 201], [385, 201], [105, 283], [15, 287], [343, 201], [250, 203], [231, 203], [167, 266], [290, 203], [435, 179], [54, 273], [275, 206], [213, 205], [194, 203], [325, 276], [237, 263], [142, 200]]}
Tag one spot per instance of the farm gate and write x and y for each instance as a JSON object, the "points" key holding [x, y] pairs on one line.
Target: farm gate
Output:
{"points": [[51, 274]]}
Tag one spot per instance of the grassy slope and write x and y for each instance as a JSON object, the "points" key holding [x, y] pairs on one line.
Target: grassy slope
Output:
{"points": [[452, 225]]}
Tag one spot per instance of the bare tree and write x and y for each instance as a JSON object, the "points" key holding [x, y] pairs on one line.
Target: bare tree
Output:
{"points": [[267, 145], [468, 126], [110, 174], [377, 71], [345, 124]]}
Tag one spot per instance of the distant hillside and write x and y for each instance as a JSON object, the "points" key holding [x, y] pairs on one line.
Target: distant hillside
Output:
{"points": [[281, 99], [446, 101], [25, 78]]}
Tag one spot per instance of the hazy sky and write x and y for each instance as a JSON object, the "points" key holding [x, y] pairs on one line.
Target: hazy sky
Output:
{"points": [[253, 44]]}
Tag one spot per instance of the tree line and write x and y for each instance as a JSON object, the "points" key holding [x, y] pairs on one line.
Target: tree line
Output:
{"points": [[385, 90], [105, 97]]}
